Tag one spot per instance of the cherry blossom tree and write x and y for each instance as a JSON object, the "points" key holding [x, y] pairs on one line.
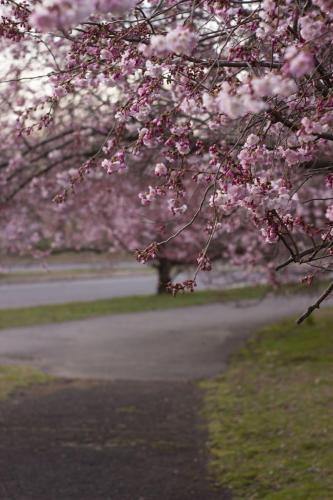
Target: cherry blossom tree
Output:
{"points": [[233, 96], [101, 218]]}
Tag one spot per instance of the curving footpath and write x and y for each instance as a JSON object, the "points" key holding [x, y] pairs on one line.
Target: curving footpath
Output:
{"points": [[180, 344], [139, 433]]}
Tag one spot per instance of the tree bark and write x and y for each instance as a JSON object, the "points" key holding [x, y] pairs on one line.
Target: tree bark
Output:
{"points": [[164, 275]]}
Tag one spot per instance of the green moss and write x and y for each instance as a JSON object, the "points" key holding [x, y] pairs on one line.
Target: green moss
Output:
{"points": [[55, 313], [13, 377], [270, 416]]}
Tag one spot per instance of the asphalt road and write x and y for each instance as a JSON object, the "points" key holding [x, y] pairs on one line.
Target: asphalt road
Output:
{"points": [[59, 292], [181, 344]]}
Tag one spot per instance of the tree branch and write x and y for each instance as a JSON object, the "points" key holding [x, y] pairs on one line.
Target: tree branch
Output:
{"points": [[316, 305], [302, 254]]}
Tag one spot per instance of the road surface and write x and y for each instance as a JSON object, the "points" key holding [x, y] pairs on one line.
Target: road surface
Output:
{"points": [[77, 290], [180, 344], [59, 292]]}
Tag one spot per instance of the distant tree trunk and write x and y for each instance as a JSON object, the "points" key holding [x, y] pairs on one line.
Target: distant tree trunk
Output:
{"points": [[164, 275]]}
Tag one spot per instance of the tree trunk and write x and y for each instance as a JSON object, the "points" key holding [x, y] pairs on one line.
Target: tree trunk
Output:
{"points": [[164, 276]]}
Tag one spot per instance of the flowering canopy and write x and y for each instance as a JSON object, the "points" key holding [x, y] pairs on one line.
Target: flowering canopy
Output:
{"points": [[229, 99]]}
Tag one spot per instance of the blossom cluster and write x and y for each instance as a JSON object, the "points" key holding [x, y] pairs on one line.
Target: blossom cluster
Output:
{"points": [[65, 14], [219, 115]]}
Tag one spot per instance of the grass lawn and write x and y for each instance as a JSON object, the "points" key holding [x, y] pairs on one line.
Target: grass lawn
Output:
{"points": [[27, 316], [270, 416], [13, 377]]}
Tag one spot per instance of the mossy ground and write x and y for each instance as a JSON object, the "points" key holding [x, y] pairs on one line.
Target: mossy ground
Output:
{"points": [[14, 377], [57, 313], [270, 417]]}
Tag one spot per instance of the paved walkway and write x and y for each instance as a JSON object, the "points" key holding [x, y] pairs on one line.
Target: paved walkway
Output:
{"points": [[82, 440], [180, 344], [136, 435]]}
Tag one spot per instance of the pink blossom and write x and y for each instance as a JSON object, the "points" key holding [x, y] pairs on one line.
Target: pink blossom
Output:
{"points": [[175, 207], [116, 8], [217, 110], [55, 155], [153, 70], [311, 28], [299, 64], [267, 9], [183, 146], [311, 126], [272, 84], [65, 14], [116, 164], [252, 140], [329, 181], [270, 234], [295, 156], [236, 106], [325, 6], [161, 169], [60, 14], [204, 262], [180, 40], [329, 213]]}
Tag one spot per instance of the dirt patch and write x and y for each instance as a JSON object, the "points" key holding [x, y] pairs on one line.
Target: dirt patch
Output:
{"points": [[104, 441]]}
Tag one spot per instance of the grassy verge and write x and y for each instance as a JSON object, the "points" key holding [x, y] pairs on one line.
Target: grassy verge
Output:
{"points": [[13, 377], [57, 313], [270, 415]]}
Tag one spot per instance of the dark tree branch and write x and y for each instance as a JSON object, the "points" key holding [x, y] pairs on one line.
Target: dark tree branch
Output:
{"points": [[316, 305], [302, 254]]}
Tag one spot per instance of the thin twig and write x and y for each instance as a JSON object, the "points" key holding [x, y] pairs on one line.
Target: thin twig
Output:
{"points": [[301, 254], [316, 305]]}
